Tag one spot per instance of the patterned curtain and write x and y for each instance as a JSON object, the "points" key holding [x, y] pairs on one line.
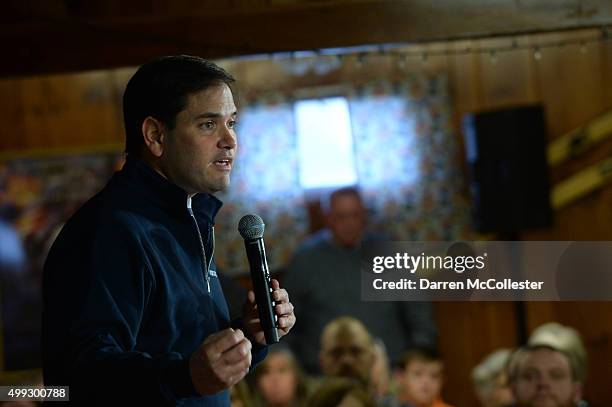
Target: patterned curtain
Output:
{"points": [[408, 167], [409, 164]]}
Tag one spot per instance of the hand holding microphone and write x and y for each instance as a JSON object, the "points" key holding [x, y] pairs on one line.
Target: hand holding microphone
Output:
{"points": [[224, 358], [268, 314]]}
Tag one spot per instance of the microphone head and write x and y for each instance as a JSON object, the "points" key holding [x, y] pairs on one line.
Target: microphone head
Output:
{"points": [[251, 227]]}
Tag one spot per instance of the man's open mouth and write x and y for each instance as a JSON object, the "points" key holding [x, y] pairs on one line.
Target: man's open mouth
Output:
{"points": [[223, 162]]}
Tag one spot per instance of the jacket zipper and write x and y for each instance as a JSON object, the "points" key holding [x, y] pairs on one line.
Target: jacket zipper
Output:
{"points": [[212, 254], [204, 263]]}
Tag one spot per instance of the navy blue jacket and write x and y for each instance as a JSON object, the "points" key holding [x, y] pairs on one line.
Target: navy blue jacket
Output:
{"points": [[125, 298]]}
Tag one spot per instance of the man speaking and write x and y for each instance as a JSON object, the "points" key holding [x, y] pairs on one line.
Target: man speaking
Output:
{"points": [[133, 309]]}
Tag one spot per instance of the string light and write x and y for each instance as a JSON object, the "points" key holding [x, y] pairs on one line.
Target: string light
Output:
{"points": [[537, 54], [401, 62], [424, 58], [359, 61], [493, 57], [401, 55]]}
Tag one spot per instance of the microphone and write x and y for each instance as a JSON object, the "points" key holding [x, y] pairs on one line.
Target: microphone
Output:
{"points": [[251, 228]]}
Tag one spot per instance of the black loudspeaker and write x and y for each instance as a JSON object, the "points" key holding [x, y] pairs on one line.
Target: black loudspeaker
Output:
{"points": [[506, 155]]}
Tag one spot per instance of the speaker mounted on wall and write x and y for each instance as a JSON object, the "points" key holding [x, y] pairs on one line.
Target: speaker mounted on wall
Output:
{"points": [[508, 171]]}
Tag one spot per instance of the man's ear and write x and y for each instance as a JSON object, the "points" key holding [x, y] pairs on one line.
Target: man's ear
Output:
{"points": [[153, 135]]}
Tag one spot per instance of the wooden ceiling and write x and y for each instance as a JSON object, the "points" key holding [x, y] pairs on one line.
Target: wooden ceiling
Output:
{"points": [[73, 35]]}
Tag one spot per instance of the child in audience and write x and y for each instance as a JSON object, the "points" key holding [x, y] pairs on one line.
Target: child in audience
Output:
{"points": [[420, 381], [279, 381]]}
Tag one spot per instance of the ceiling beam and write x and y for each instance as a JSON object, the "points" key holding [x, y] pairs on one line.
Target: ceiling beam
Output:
{"points": [[39, 41]]}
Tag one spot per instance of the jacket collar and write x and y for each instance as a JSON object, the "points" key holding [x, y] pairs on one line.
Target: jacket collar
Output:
{"points": [[166, 194]]}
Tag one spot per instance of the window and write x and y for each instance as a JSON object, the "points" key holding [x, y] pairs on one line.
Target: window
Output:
{"points": [[325, 143]]}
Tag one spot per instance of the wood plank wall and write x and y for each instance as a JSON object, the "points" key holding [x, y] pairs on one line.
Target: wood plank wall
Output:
{"points": [[574, 85]]}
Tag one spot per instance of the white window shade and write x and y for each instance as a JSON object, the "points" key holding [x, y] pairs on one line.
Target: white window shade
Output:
{"points": [[325, 143]]}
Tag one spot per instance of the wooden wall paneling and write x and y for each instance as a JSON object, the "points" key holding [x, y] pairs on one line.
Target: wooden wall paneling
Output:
{"points": [[583, 75], [468, 331], [575, 88], [436, 61], [506, 80], [590, 218], [465, 91], [94, 109], [570, 82], [64, 112], [537, 313], [464, 80], [12, 115], [605, 51], [37, 130], [119, 79], [70, 111]]}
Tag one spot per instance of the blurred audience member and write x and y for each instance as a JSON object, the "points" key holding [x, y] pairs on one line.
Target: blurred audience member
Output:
{"points": [[19, 297], [380, 372], [491, 381], [20, 403], [421, 379], [565, 339], [324, 281], [348, 350], [12, 253], [341, 392], [542, 376], [240, 395], [278, 380]]}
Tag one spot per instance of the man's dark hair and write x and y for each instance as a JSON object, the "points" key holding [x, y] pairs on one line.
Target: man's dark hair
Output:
{"points": [[426, 354], [160, 89], [326, 203]]}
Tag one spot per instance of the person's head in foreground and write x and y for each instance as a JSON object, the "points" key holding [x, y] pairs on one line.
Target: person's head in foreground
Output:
{"points": [[346, 217], [421, 379], [341, 392], [347, 349], [179, 115], [278, 380], [542, 376], [491, 380], [565, 339]]}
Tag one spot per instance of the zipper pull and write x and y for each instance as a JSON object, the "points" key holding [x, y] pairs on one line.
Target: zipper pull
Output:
{"points": [[208, 283]]}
